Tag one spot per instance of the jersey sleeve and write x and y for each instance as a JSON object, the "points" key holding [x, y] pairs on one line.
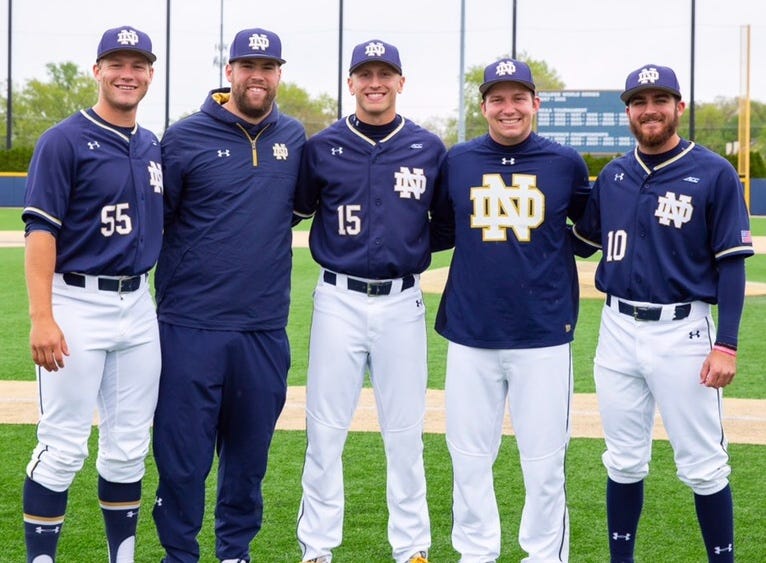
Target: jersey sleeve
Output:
{"points": [[50, 179], [587, 229], [307, 189], [580, 189], [173, 162], [442, 226], [730, 222]]}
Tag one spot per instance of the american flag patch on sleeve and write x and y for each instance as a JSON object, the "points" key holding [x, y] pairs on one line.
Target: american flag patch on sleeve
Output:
{"points": [[746, 237]]}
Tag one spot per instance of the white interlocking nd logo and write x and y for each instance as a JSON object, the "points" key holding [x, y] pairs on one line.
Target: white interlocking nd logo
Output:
{"points": [[497, 207], [375, 49], [127, 37], [505, 68], [280, 151], [155, 176], [410, 183], [258, 42], [648, 75], [671, 209]]}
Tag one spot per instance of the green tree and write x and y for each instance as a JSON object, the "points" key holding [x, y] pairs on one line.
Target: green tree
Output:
{"points": [[546, 78], [41, 104], [315, 113]]}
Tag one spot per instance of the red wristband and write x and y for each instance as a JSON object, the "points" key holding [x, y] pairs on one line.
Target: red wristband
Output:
{"points": [[725, 350]]}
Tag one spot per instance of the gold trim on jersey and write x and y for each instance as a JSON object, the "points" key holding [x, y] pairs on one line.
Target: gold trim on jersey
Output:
{"points": [[735, 249], [40, 212], [668, 162], [107, 127], [371, 141]]}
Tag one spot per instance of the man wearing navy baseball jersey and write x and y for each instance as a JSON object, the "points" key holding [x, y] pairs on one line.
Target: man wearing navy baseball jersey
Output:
{"points": [[509, 311], [93, 215], [223, 292], [671, 222], [369, 181]]}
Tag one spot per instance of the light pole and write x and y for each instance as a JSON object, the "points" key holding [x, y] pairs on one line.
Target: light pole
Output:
{"points": [[340, 59], [8, 101]]}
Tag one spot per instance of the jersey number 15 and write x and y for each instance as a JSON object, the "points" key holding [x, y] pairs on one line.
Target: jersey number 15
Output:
{"points": [[349, 222]]}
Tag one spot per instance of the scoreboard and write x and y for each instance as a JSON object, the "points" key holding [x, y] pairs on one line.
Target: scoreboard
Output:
{"points": [[589, 121]]}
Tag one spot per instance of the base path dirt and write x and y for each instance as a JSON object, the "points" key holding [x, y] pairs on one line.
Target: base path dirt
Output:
{"points": [[744, 419]]}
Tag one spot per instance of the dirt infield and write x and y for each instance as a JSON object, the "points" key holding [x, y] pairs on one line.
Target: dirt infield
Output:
{"points": [[744, 419]]}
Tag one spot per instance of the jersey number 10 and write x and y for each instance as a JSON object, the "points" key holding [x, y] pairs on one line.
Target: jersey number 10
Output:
{"points": [[616, 244]]}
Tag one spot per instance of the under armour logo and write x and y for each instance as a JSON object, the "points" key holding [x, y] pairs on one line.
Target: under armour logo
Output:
{"points": [[375, 49], [131, 513], [280, 151], [619, 177], [222, 153], [155, 176], [93, 145], [259, 42], [127, 37], [338, 150], [508, 160], [418, 303], [410, 183], [41, 530], [616, 536], [719, 550], [648, 75], [671, 209], [158, 501], [694, 334]]}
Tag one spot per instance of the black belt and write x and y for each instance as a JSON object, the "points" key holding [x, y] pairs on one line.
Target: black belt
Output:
{"points": [[120, 285], [649, 313], [367, 287]]}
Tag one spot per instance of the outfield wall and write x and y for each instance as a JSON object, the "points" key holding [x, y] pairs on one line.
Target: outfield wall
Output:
{"points": [[12, 192]]}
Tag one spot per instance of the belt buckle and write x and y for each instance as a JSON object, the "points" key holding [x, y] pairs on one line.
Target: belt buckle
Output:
{"points": [[128, 283], [373, 289]]}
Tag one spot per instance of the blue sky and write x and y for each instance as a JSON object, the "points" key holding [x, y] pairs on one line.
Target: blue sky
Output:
{"points": [[592, 44]]}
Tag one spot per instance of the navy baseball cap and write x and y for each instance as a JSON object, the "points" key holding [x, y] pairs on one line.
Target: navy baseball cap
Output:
{"points": [[256, 43], [507, 70], [375, 50], [125, 38], [651, 77]]}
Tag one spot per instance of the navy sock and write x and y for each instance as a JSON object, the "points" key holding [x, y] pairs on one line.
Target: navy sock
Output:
{"points": [[716, 518], [623, 510], [44, 511], [119, 505]]}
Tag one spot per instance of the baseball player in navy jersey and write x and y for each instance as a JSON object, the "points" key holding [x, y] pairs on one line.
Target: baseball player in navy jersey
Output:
{"points": [[223, 293], [671, 221], [509, 311], [368, 180], [93, 215]]}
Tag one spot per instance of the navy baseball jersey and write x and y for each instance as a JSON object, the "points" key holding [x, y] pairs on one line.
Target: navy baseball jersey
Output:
{"points": [[513, 281], [662, 224], [220, 267], [378, 230], [79, 166]]}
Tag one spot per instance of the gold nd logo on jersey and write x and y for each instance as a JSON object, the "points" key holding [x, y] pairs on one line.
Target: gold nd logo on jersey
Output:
{"points": [[497, 207]]}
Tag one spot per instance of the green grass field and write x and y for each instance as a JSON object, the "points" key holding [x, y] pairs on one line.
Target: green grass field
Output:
{"points": [[668, 531]]}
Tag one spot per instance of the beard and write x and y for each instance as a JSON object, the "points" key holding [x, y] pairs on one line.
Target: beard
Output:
{"points": [[246, 105], [657, 138]]}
